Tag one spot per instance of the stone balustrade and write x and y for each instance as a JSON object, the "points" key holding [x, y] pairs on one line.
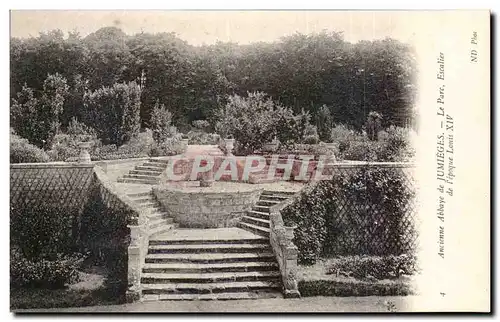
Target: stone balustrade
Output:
{"points": [[281, 239]]}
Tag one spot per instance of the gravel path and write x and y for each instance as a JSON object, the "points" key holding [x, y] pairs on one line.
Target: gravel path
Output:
{"points": [[308, 304]]}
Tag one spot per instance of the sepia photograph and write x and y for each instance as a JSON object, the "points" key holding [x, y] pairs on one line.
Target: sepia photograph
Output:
{"points": [[248, 161]]}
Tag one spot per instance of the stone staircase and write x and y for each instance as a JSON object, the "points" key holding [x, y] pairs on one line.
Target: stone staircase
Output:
{"points": [[158, 219], [147, 173], [210, 264], [257, 219]]}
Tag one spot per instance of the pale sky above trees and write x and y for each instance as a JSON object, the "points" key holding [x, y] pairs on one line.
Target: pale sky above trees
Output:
{"points": [[198, 27]]}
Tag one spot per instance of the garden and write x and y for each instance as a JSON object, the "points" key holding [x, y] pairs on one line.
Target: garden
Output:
{"points": [[141, 95]]}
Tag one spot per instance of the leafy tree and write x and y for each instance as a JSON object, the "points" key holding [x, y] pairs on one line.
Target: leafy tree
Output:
{"points": [[37, 118]]}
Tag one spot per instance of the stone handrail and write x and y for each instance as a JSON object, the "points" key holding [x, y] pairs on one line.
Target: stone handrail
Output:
{"points": [[139, 235], [281, 239]]}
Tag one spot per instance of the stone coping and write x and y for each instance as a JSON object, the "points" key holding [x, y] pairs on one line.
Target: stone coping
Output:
{"points": [[216, 189], [47, 165]]}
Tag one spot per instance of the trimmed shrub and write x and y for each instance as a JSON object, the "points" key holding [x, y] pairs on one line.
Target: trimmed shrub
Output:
{"points": [[43, 273], [114, 112], [369, 267], [352, 287], [161, 123], [21, 151]]}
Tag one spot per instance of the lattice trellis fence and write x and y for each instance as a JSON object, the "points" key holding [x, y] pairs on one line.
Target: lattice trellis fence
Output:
{"points": [[374, 210], [64, 187]]}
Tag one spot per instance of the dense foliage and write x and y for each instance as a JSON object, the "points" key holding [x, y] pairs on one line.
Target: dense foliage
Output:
{"points": [[373, 267], [114, 112], [256, 119], [21, 151], [42, 247], [363, 211], [320, 73]]}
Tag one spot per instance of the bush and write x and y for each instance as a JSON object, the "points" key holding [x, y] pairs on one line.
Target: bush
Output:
{"points": [[114, 112], [35, 115], [398, 146], [255, 120], [369, 267], [203, 138], [171, 146], [161, 123], [65, 145], [343, 136], [352, 287], [364, 211], [307, 212], [43, 273], [201, 125], [311, 139], [41, 231], [21, 151], [363, 151]]}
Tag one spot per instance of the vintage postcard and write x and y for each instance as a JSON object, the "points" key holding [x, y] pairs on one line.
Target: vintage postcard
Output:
{"points": [[250, 161]]}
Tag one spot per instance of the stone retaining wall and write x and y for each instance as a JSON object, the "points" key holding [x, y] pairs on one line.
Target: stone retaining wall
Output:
{"points": [[206, 209]]}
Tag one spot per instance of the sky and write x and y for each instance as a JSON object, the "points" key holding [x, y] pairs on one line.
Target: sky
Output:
{"points": [[199, 27]]}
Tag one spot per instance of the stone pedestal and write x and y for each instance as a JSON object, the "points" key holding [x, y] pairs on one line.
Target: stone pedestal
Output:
{"points": [[84, 156], [229, 146]]}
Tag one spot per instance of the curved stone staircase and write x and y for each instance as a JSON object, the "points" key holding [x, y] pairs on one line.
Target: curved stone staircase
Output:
{"points": [[257, 219], [204, 264]]}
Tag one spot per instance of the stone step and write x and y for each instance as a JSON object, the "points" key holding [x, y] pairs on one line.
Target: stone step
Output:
{"points": [[149, 168], [209, 248], [144, 199], [158, 215], [213, 297], [138, 181], [262, 209], [166, 241], [163, 278], [150, 204], [145, 172], [161, 229], [269, 202], [258, 214], [139, 194], [155, 209], [261, 231], [155, 164], [162, 161], [160, 222], [272, 198], [140, 176], [263, 178], [208, 258], [256, 221], [206, 288], [209, 268]]}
